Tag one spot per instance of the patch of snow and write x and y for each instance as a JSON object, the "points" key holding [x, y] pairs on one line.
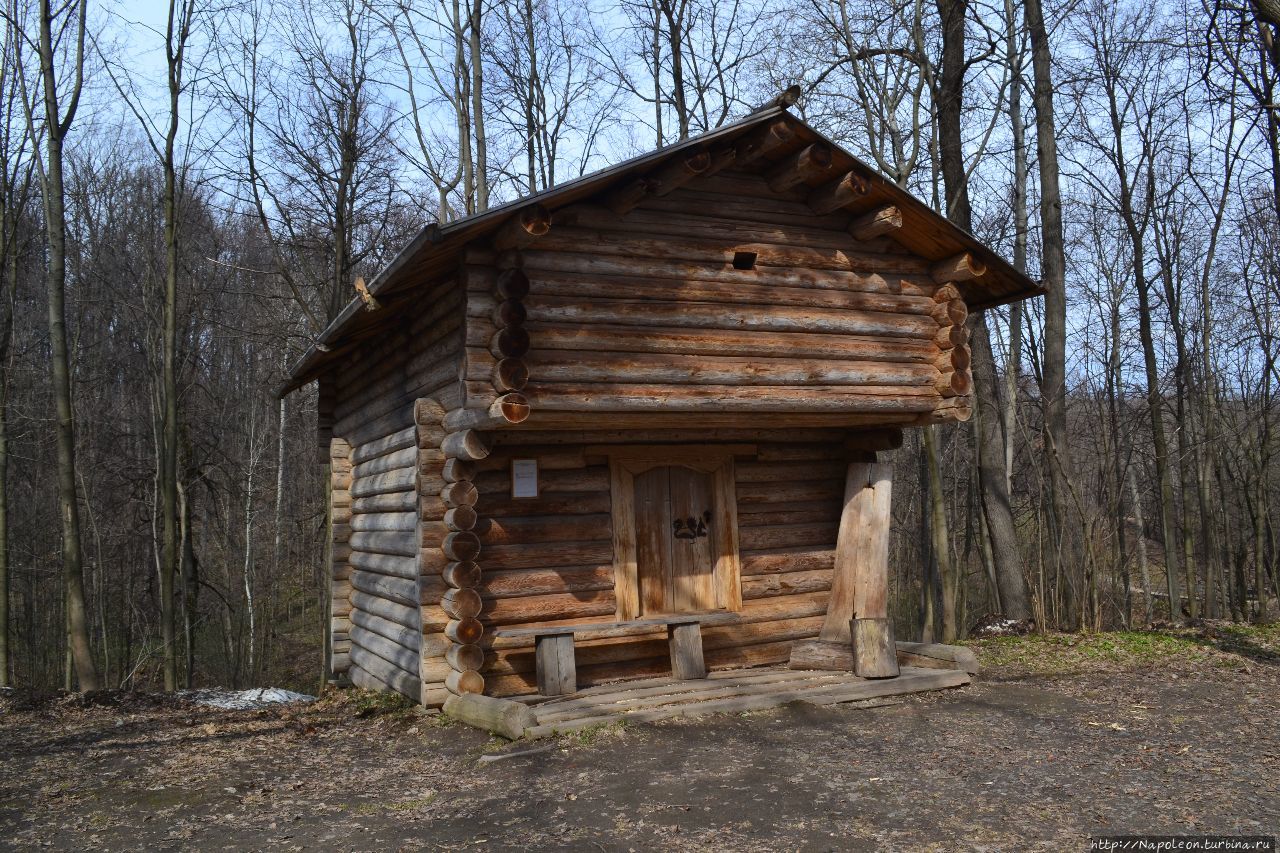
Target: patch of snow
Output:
{"points": [[245, 700]]}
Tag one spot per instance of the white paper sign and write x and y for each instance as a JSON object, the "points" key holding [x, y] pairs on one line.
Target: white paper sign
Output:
{"points": [[524, 478]]}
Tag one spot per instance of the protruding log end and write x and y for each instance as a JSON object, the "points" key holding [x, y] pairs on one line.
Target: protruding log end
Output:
{"points": [[809, 162], [462, 575], [464, 630], [461, 493], [513, 408], [513, 284], [461, 546], [946, 292], [461, 604], [460, 518], [511, 342], [848, 188], [461, 683], [954, 383], [961, 267], [950, 313], [510, 374], [877, 223], [522, 229], [509, 312], [761, 142], [427, 412], [951, 336], [456, 470], [502, 717], [464, 656], [465, 444]]}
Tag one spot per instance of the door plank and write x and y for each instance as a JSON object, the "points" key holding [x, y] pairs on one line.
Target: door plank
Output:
{"points": [[653, 538]]}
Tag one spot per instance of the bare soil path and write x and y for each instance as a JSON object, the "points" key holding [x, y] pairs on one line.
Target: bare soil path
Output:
{"points": [[1061, 738]]}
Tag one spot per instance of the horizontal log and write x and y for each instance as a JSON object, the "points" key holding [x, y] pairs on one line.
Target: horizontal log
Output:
{"points": [[845, 271], [803, 512], [428, 412], [961, 267], [788, 536], [721, 342], [637, 368], [502, 717], [938, 656], [592, 397], [844, 190], [401, 544], [538, 529], [385, 564], [750, 494], [382, 674], [404, 458], [430, 460], [633, 287], [876, 223], [396, 590], [396, 633], [402, 480], [381, 446], [782, 562], [539, 608], [383, 503], [789, 472], [773, 318], [521, 582], [390, 651], [655, 256], [384, 521], [790, 583], [506, 410], [497, 505], [466, 444], [550, 554], [568, 480], [550, 457]]}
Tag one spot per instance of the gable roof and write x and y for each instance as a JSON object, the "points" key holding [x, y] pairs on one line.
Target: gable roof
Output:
{"points": [[437, 248]]}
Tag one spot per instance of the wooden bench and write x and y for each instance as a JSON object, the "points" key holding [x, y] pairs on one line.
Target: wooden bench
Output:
{"points": [[558, 671]]}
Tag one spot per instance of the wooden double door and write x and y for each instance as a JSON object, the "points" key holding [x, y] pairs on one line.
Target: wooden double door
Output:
{"points": [[675, 529]]}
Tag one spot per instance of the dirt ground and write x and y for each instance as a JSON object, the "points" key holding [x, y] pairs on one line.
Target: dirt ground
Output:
{"points": [[1061, 738]]}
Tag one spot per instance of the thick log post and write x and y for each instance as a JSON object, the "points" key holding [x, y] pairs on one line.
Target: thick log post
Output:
{"points": [[860, 583]]}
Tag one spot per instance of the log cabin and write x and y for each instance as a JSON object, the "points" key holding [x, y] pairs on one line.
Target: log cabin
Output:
{"points": [[629, 426]]}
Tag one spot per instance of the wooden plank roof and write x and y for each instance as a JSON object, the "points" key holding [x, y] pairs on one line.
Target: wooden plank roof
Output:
{"points": [[435, 251]]}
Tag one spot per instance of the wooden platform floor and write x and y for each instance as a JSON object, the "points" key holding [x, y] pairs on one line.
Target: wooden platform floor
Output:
{"points": [[733, 691]]}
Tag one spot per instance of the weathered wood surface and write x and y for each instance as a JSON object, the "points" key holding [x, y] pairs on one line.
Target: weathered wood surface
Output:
{"points": [[874, 654], [735, 692], [500, 716], [860, 583], [556, 668]]}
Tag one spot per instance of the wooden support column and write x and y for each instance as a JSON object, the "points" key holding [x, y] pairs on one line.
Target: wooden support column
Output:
{"points": [[860, 583]]}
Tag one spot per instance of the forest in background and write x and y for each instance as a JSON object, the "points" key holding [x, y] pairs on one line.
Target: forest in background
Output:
{"points": [[185, 205]]}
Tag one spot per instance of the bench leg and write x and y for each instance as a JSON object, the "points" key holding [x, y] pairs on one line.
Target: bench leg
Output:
{"points": [[686, 651], [557, 670]]}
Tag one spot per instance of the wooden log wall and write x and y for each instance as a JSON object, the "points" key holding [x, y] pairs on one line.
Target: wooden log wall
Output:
{"points": [[726, 295], [374, 412], [339, 556], [548, 560]]}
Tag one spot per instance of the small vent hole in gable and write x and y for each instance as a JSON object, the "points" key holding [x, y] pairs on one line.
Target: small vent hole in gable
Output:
{"points": [[744, 260]]}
